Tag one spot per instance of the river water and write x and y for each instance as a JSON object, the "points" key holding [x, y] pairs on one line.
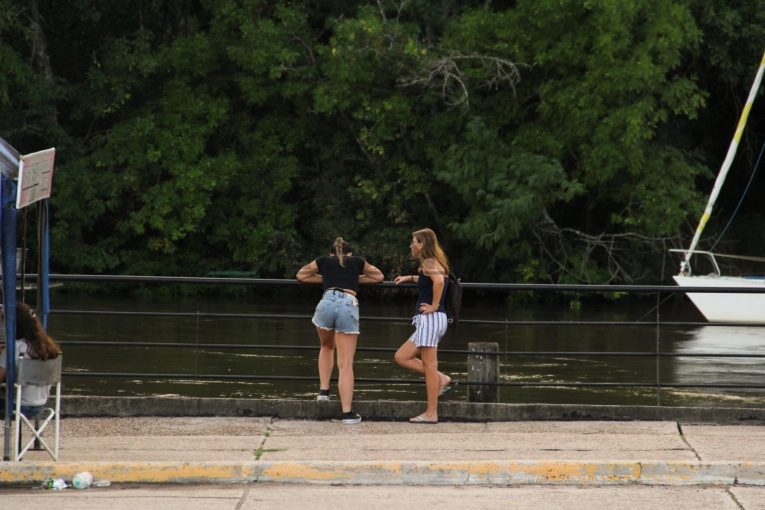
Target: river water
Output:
{"points": [[289, 332]]}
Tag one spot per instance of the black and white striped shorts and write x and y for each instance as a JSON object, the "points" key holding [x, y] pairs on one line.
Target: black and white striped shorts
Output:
{"points": [[430, 328]]}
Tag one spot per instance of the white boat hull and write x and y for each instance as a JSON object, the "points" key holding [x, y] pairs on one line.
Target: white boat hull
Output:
{"points": [[739, 308]]}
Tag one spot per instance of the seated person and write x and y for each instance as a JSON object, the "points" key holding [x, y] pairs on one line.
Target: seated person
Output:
{"points": [[32, 343]]}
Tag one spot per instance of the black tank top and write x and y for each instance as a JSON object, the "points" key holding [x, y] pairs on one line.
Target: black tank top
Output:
{"points": [[425, 286]]}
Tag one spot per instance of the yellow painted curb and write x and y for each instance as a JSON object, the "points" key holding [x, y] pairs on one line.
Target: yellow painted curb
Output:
{"points": [[550, 472], [133, 472]]}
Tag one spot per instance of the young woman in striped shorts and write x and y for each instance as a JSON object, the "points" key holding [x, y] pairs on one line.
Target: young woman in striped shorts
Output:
{"points": [[430, 320]]}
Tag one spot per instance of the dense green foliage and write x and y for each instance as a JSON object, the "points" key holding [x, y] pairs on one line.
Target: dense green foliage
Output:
{"points": [[543, 140]]}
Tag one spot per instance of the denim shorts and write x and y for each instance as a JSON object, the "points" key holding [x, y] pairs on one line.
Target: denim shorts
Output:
{"points": [[338, 310], [430, 328], [27, 411]]}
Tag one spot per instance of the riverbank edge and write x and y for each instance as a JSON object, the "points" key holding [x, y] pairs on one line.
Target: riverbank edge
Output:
{"points": [[386, 410]]}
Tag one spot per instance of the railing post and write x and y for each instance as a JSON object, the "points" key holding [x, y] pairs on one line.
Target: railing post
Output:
{"points": [[505, 360], [658, 350], [196, 350], [483, 368]]}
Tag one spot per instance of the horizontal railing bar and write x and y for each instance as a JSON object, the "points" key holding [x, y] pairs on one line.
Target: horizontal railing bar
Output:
{"points": [[402, 381], [626, 385], [391, 349], [542, 287], [206, 346], [390, 319], [212, 315], [614, 354], [667, 324], [229, 377]]}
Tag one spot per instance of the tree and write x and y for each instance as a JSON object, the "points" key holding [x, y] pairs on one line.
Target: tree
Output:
{"points": [[599, 98], [557, 140]]}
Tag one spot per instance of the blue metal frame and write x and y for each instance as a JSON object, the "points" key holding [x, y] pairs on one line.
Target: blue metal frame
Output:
{"points": [[8, 223], [43, 271], [8, 232]]}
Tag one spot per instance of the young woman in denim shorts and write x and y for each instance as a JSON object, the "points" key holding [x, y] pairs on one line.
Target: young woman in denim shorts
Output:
{"points": [[430, 320], [337, 317]]}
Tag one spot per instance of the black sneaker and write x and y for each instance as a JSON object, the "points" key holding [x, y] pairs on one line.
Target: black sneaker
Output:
{"points": [[351, 418], [323, 395]]}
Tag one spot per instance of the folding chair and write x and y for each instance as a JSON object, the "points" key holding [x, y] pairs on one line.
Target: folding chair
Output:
{"points": [[36, 372]]}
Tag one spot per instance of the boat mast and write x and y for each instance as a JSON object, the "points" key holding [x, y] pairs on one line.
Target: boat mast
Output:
{"points": [[684, 265]]}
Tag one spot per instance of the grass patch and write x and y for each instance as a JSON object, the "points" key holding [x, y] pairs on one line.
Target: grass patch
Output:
{"points": [[260, 451]]}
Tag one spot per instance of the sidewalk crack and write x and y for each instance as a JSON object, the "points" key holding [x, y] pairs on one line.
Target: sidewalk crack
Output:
{"points": [[682, 436], [243, 498], [262, 447], [733, 497]]}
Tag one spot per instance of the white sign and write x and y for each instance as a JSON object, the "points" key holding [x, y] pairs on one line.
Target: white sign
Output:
{"points": [[35, 177]]}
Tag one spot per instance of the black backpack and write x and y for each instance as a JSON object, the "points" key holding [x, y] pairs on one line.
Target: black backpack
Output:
{"points": [[453, 301]]}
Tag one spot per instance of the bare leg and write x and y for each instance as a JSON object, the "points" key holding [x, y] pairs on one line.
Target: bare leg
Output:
{"points": [[326, 356], [346, 349], [432, 381], [406, 357]]}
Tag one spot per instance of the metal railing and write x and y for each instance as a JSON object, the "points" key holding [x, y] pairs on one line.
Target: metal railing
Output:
{"points": [[656, 322]]}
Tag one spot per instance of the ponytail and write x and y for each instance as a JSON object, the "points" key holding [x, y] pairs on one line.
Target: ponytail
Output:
{"points": [[340, 248]]}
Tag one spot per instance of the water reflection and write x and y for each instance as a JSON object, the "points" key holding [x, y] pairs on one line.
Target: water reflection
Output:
{"points": [[191, 362], [722, 370]]}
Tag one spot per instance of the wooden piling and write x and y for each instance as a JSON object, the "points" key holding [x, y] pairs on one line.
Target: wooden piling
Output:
{"points": [[483, 368]]}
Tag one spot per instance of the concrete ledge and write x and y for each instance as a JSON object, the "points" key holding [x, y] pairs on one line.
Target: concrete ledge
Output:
{"points": [[385, 410], [521, 472]]}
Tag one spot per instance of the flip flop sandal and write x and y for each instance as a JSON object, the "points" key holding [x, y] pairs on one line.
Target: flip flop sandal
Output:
{"points": [[446, 390]]}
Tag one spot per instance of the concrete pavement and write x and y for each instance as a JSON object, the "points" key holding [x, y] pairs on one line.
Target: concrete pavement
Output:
{"points": [[226, 450], [181, 453], [279, 496]]}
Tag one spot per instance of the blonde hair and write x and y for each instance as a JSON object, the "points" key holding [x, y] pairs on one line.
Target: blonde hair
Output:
{"points": [[340, 248], [430, 248]]}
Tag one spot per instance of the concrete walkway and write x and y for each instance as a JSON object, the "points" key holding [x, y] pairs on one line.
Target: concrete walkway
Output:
{"points": [[278, 496], [269, 450]]}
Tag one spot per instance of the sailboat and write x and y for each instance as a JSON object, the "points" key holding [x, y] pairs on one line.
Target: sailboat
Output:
{"points": [[725, 307]]}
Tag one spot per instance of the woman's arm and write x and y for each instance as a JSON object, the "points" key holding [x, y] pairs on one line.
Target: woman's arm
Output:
{"points": [[407, 278], [371, 274], [309, 273], [430, 269]]}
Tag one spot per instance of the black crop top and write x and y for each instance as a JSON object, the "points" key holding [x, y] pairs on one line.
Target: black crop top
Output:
{"points": [[343, 277]]}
